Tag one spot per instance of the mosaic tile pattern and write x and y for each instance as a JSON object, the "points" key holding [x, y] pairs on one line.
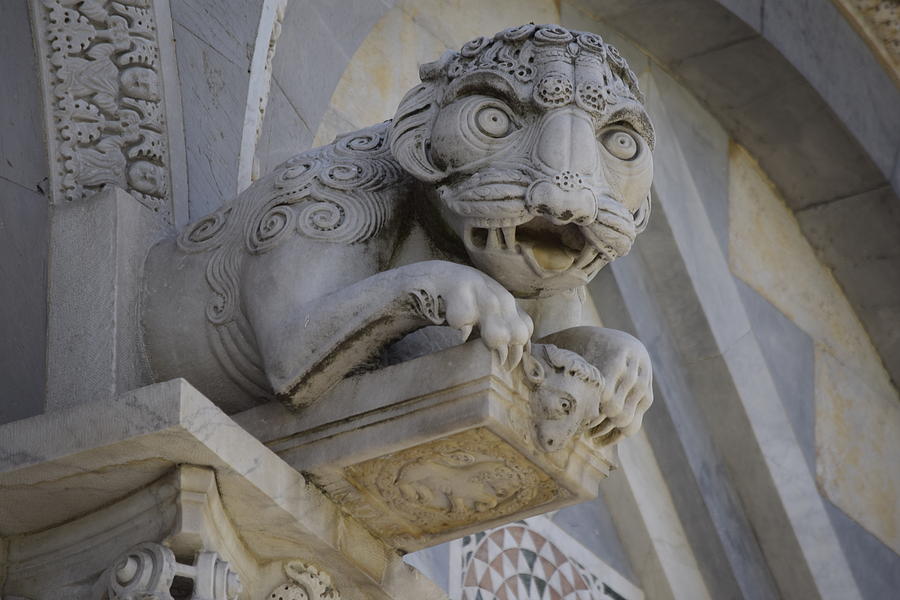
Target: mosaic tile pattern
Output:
{"points": [[516, 562]]}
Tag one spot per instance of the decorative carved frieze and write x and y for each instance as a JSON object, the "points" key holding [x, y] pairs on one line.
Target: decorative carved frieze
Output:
{"points": [[104, 101], [305, 582]]}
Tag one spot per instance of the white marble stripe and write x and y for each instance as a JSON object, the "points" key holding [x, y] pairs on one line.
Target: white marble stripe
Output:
{"points": [[770, 437], [271, 17]]}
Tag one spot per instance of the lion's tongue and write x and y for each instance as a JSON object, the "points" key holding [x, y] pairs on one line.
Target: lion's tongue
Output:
{"points": [[552, 258]]}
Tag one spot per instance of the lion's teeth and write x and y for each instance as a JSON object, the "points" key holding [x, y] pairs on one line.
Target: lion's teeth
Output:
{"points": [[509, 236], [493, 239], [588, 254], [601, 431], [596, 422]]}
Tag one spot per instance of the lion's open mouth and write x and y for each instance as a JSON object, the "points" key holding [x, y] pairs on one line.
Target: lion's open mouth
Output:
{"points": [[550, 247]]}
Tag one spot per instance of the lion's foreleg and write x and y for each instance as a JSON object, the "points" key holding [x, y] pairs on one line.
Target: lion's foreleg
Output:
{"points": [[309, 345]]}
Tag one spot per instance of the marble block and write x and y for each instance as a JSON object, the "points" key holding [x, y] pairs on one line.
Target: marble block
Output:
{"points": [[161, 477], [432, 449]]}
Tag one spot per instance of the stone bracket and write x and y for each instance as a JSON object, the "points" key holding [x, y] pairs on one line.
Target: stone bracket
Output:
{"points": [[429, 450], [164, 465]]}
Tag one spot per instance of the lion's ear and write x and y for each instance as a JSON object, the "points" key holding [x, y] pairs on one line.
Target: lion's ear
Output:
{"points": [[642, 215], [411, 130], [534, 370]]}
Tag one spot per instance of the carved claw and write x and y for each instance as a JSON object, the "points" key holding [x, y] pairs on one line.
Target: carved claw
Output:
{"points": [[502, 354], [515, 356]]}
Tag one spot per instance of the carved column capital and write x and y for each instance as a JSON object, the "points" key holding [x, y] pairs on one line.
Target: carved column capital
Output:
{"points": [[147, 572]]}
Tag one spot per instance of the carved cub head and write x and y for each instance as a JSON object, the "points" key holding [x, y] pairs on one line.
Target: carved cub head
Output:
{"points": [[537, 148], [565, 394]]}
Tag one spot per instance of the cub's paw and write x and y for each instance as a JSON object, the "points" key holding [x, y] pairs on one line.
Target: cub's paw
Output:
{"points": [[627, 393]]}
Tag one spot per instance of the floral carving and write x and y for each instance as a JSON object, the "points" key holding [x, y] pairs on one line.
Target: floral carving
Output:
{"points": [[554, 90], [513, 52], [305, 582], [104, 100]]}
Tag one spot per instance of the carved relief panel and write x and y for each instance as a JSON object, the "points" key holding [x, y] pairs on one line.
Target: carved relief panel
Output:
{"points": [[104, 99]]}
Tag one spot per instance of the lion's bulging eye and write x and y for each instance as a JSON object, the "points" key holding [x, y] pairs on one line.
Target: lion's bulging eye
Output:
{"points": [[493, 122], [620, 144]]}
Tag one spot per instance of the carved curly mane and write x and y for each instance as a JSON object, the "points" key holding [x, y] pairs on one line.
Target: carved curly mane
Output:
{"points": [[336, 193]]}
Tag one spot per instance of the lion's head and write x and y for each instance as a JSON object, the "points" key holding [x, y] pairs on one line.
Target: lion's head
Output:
{"points": [[537, 148]]}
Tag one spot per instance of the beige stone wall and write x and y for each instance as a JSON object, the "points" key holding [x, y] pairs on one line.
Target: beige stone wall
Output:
{"points": [[857, 412]]}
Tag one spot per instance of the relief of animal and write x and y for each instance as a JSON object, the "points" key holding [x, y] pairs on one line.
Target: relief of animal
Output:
{"points": [[459, 483], [517, 169]]}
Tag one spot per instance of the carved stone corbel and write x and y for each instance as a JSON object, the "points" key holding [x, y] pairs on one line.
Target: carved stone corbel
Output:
{"points": [[148, 571]]}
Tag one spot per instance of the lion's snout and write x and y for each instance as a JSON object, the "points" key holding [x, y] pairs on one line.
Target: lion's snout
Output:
{"points": [[561, 206]]}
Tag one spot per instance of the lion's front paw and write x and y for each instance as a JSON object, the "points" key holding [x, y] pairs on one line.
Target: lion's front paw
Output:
{"points": [[627, 393], [466, 298]]}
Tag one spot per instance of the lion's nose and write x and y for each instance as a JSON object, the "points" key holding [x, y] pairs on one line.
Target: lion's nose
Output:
{"points": [[559, 205], [567, 143]]}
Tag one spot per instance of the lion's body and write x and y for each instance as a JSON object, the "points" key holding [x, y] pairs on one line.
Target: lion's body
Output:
{"points": [[507, 180], [327, 218]]}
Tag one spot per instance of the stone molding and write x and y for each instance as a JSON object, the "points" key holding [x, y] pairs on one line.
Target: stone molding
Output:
{"points": [[109, 100], [259, 87], [878, 23]]}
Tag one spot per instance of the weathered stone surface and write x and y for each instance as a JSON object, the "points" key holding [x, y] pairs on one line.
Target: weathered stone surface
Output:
{"points": [[857, 237], [769, 252], [724, 368], [23, 151], [214, 92]]}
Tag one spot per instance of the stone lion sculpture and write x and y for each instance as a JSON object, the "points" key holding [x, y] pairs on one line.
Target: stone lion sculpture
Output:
{"points": [[517, 169]]}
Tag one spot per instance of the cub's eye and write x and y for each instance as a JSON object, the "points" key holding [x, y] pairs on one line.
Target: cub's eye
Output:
{"points": [[620, 144], [493, 122]]}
